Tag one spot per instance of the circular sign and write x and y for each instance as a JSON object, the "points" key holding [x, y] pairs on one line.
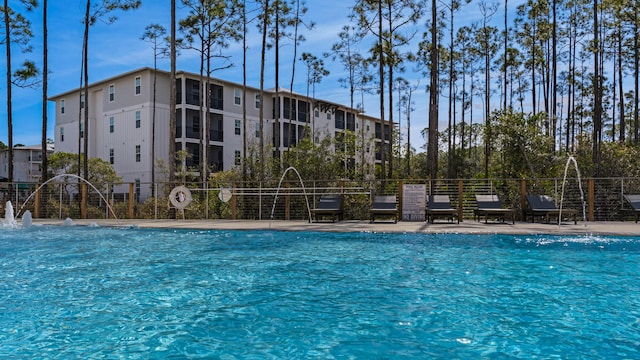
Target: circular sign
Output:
{"points": [[180, 197], [225, 194]]}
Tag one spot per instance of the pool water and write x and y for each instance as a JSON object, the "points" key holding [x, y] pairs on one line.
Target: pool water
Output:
{"points": [[85, 292]]}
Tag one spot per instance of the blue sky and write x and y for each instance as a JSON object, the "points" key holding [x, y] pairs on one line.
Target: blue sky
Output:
{"points": [[117, 48]]}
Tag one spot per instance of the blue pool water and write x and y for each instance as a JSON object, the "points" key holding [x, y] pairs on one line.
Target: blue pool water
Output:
{"points": [[100, 292]]}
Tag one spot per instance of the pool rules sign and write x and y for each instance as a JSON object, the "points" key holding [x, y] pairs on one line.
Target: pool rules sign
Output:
{"points": [[414, 202]]}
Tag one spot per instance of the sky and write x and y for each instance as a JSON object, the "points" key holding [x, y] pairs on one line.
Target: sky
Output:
{"points": [[117, 48]]}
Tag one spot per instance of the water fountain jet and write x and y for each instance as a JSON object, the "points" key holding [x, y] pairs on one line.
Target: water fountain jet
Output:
{"points": [[72, 176], [278, 191], [9, 217], [27, 219], [564, 180]]}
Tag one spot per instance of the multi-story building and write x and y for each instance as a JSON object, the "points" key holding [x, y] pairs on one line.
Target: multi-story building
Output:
{"points": [[123, 115], [27, 163]]}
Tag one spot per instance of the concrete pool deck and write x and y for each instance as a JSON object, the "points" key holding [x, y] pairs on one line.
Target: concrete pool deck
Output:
{"points": [[469, 226]]}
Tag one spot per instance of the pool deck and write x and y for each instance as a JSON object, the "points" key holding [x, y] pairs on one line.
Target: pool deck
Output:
{"points": [[468, 226]]}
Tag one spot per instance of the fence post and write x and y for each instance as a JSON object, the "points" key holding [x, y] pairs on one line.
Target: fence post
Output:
{"points": [[155, 201], [206, 200], [523, 199], [36, 205], [83, 201], [130, 212], [591, 199], [400, 199], [460, 199], [233, 202], [287, 202], [260, 201]]}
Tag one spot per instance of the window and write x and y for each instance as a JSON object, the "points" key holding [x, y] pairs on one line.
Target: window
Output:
{"points": [[112, 92], [192, 87], [61, 106], [111, 124], [339, 119], [317, 113], [257, 101], [237, 157], [216, 128], [137, 119], [237, 96], [81, 130], [257, 130], [61, 134], [289, 104], [81, 101], [138, 82], [328, 116], [238, 127], [137, 153], [137, 189], [351, 121], [111, 156], [216, 97]]}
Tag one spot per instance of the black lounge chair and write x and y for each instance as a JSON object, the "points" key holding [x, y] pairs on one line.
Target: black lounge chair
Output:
{"points": [[634, 201], [384, 206], [543, 205], [440, 206], [491, 206], [329, 206]]}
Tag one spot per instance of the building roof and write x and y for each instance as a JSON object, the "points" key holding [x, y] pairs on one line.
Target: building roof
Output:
{"points": [[271, 91], [50, 148]]}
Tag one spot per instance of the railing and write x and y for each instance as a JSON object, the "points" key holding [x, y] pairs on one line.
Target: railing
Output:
{"points": [[603, 198]]}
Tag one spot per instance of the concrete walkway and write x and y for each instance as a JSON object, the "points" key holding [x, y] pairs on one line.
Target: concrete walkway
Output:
{"points": [[468, 226]]}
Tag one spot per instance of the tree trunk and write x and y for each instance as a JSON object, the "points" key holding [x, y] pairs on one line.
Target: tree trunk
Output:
{"points": [[391, 65], [172, 98], [85, 56], [276, 131], [432, 152], [244, 91], [622, 124], [7, 28], [506, 48], [636, 71], [383, 143], [45, 85], [554, 77], [597, 106], [262, 64]]}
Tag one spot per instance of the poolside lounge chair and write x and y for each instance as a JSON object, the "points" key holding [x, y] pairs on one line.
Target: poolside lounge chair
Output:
{"points": [[384, 206], [491, 206], [543, 205], [329, 206], [634, 201], [440, 206]]}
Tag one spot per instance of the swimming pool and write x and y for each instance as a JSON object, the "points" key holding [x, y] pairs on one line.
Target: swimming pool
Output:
{"points": [[83, 292]]}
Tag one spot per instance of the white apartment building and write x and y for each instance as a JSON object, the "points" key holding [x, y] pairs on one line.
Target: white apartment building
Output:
{"points": [[122, 115], [27, 163]]}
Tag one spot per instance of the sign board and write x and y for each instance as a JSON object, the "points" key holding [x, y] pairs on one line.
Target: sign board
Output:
{"points": [[414, 202]]}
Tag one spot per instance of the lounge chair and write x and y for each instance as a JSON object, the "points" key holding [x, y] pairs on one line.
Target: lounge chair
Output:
{"points": [[634, 201], [329, 206], [384, 206], [491, 206], [440, 206], [543, 205]]}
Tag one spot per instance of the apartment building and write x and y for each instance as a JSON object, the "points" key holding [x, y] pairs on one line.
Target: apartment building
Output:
{"points": [[27, 163], [126, 125]]}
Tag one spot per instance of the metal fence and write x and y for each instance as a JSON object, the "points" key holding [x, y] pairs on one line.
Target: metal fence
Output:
{"points": [[599, 199]]}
